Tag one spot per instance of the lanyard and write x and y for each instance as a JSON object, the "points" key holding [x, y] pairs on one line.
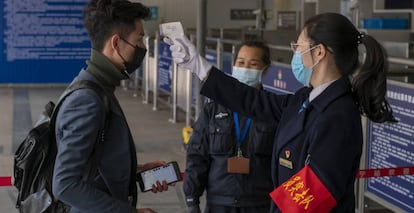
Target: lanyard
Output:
{"points": [[240, 138]]}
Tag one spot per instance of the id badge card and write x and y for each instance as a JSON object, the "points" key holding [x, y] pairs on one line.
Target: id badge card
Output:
{"points": [[238, 165]]}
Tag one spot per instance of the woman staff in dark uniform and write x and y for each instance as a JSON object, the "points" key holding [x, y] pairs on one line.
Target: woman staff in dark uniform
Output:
{"points": [[320, 125], [222, 137]]}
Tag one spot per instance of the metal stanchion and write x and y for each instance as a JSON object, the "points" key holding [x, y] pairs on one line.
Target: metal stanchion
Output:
{"points": [[189, 92], [124, 84], [201, 46], [360, 195], [173, 119], [187, 130], [136, 82], [145, 75], [155, 83], [189, 99], [233, 55], [219, 50]]}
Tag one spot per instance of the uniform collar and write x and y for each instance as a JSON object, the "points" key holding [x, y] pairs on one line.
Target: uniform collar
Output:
{"points": [[318, 90], [331, 92], [104, 70]]}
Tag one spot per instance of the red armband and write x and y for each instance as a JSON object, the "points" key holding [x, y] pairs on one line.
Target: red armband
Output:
{"points": [[303, 192]]}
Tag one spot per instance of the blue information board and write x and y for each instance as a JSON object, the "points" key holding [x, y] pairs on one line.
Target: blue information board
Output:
{"points": [[165, 67], [42, 41], [153, 12], [211, 57], [392, 145], [279, 79], [227, 63]]}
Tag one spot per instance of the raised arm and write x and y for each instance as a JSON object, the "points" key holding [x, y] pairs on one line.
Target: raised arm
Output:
{"points": [[226, 90]]}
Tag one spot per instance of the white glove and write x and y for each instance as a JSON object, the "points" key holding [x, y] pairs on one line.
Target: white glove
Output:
{"points": [[186, 56]]}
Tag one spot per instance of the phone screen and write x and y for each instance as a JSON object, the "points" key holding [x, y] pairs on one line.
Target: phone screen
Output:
{"points": [[150, 177]]}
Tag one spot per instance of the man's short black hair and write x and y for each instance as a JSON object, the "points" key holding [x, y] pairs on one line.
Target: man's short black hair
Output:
{"points": [[103, 18]]}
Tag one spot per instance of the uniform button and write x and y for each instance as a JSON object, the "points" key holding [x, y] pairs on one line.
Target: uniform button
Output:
{"points": [[217, 130], [236, 201]]}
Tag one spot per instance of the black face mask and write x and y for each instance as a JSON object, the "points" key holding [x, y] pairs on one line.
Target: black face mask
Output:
{"points": [[139, 54]]}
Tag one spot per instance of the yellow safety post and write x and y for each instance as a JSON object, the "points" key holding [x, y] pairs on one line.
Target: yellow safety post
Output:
{"points": [[187, 131]]}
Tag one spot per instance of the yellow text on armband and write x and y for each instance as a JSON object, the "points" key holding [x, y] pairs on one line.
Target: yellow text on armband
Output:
{"points": [[298, 192]]}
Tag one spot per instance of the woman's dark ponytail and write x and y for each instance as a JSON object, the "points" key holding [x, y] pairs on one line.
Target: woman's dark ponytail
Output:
{"points": [[370, 82], [369, 85]]}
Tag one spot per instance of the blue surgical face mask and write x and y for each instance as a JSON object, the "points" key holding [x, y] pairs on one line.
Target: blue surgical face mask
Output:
{"points": [[302, 73], [251, 77]]}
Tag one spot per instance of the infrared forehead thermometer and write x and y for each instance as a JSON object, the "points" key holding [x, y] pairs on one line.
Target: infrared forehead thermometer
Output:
{"points": [[171, 30]]}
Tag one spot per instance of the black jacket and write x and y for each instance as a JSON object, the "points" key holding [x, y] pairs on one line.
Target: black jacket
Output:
{"points": [[329, 130], [213, 141]]}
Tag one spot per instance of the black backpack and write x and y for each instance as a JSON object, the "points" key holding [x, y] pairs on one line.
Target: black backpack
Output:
{"points": [[35, 158]]}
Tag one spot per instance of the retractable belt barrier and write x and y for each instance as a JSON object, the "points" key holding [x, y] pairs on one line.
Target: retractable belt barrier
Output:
{"points": [[363, 173], [384, 172], [5, 181]]}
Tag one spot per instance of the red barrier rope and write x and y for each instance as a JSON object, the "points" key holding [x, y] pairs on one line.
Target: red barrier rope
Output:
{"points": [[5, 181], [383, 172], [363, 173]]}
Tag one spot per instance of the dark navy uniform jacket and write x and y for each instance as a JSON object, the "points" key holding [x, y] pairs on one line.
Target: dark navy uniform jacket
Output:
{"points": [[328, 132], [213, 141]]}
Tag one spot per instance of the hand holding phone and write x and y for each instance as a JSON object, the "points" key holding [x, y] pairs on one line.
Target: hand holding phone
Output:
{"points": [[169, 173]]}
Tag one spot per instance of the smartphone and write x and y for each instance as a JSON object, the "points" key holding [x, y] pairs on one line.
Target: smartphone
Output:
{"points": [[170, 173]]}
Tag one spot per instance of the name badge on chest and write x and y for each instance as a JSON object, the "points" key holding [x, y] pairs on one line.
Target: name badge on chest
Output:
{"points": [[238, 165]]}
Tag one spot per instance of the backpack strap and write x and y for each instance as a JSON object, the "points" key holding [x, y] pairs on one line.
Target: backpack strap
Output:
{"points": [[75, 86], [82, 85], [97, 152]]}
